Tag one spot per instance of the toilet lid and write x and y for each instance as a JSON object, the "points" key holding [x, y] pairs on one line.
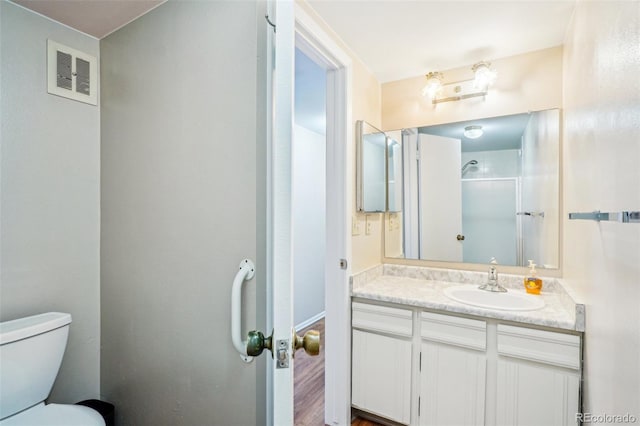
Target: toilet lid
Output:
{"points": [[56, 415]]}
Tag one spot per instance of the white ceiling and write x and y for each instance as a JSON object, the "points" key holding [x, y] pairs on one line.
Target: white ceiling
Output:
{"points": [[398, 39], [97, 18]]}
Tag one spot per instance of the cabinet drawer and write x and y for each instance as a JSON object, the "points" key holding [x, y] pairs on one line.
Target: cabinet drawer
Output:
{"points": [[382, 319], [464, 332], [547, 347]]}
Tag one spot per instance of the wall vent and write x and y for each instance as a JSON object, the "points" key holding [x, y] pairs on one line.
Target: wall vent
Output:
{"points": [[72, 74]]}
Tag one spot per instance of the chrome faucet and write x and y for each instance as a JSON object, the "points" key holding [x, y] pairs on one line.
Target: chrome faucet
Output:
{"points": [[492, 280]]}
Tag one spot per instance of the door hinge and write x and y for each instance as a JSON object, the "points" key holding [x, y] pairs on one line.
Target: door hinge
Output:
{"points": [[418, 406], [420, 365]]}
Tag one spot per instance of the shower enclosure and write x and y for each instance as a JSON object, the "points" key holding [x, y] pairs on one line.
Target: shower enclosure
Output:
{"points": [[489, 220]]}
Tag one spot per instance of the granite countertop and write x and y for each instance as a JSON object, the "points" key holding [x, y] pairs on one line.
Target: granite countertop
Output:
{"points": [[423, 287]]}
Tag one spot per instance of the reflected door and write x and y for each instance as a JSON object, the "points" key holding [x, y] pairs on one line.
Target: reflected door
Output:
{"points": [[439, 198]]}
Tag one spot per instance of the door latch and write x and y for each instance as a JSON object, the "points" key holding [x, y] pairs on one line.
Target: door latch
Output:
{"points": [[282, 354]]}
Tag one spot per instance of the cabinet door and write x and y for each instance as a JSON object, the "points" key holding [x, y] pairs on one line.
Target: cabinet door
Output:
{"points": [[381, 374], [453, 370], [538, 377], [532, 394], [452, 385]]}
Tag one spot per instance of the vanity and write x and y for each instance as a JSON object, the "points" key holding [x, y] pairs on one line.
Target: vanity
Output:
{"points": [[420, 357]]}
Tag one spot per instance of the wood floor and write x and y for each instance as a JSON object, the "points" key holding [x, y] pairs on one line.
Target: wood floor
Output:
{"points": [[308, 385]]}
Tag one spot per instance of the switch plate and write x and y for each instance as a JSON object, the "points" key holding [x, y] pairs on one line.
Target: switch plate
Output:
{"points": [[355, 226]]}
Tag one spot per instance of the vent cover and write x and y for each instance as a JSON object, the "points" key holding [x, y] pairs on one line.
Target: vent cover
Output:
{"points": [[63, 73], [72, 74]]}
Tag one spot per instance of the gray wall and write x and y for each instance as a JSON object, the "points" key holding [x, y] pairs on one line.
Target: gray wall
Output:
{"points": [[50, 197], [309, 224], [179, 212]]}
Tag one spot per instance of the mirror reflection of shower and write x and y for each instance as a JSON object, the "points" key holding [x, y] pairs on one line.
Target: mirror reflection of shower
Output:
{"points": [[467, 164]]}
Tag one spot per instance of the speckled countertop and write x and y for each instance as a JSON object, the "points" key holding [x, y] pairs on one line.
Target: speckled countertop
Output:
{"points": [[423, 287]]}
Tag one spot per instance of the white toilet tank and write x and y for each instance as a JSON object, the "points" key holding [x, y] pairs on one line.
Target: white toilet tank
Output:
{"points": [[31, 351]]}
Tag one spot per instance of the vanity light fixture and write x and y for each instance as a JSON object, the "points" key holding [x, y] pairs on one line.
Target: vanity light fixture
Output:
{"points": [[473, 132], [484, 77], [433, 86]]}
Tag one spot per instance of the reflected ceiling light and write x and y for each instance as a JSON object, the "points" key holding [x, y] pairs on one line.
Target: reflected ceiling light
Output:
{"points": [[433, 86], [473, 132], [484, 75]]}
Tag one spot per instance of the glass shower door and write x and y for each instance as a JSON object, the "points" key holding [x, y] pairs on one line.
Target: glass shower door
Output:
{"points": [[489, 220]]}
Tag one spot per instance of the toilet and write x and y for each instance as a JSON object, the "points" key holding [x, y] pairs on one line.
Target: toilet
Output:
{"points": [[31, 351]]}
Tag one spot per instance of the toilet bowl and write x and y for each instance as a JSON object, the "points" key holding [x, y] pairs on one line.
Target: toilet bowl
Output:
{"points": [[31, 351]]}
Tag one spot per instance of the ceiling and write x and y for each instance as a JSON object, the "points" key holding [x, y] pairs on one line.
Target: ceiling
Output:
{"points": [[397, 39], [499, 132], [98, 18]]}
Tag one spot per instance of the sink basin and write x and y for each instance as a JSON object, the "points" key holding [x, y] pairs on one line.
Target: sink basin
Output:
{"points": [[510, 301]]}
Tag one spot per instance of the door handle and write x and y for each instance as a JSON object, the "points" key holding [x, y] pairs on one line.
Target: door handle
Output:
{"points": [[460, 237], [310, 342], [256, 341], [246, 273]]}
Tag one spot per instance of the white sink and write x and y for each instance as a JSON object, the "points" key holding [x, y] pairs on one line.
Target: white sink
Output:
{"points": [[510, 301]]}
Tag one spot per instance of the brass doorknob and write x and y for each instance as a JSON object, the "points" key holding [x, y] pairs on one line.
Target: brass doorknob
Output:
{"points": [[310, 342], [257, 342]]}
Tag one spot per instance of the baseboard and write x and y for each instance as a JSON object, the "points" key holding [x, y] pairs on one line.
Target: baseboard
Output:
{"points": [[308, 322]]}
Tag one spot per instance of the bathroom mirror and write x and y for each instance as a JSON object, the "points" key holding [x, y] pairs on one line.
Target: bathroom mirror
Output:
{"points": [[467, 198], [371, 168], [394, 172]]}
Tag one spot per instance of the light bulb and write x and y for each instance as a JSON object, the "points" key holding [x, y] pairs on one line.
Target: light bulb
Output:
{"points": [[433, 86], [484, 76]]}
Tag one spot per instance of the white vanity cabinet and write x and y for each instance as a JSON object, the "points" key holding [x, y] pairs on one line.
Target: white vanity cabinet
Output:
{"points": [[452, 370], [381, 360], [465, 371], [538, 377]]}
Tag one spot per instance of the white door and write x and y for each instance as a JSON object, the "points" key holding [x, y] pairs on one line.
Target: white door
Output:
{"points": [[440, 198], [280, 239], [291, 22]]}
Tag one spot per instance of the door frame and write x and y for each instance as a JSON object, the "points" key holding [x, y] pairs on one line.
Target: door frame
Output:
{"points": [[316, 43], [340, 176]]}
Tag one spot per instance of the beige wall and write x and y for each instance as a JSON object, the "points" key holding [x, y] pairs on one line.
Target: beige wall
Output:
{"points": [[50, 197], [601, 158], [527, 82], [366, 105]]}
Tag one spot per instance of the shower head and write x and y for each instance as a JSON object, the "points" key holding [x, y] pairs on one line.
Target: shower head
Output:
{"points": [[467, 164]]}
